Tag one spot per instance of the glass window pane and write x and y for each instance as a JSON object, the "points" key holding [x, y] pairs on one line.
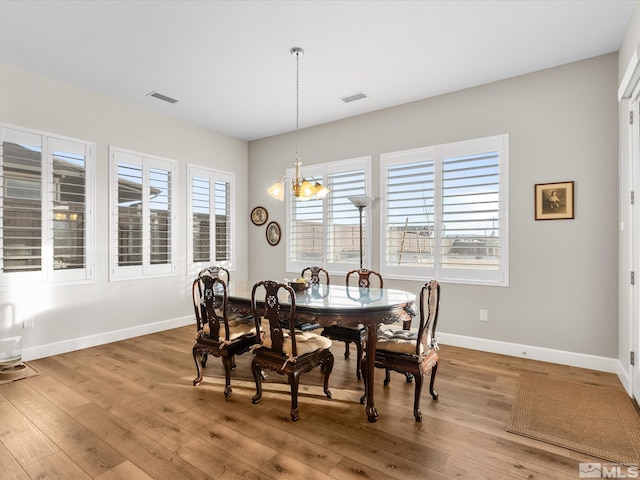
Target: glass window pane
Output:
{"points": [[129, 214], [69, 205], [22, 207]]}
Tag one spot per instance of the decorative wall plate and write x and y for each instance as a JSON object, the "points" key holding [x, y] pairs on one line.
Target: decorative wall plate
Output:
{"points": [[273, 233], [259, 216]]}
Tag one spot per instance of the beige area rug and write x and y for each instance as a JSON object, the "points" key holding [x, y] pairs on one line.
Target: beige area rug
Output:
{"points": [[17, 372], [598, 421]]}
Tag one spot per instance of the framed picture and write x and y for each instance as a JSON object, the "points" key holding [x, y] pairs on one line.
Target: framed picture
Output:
{"points": [[554, 201], [259, 216], [273, 233]]}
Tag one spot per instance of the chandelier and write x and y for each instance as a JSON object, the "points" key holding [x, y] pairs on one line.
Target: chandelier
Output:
{"points": [[302, 188]]}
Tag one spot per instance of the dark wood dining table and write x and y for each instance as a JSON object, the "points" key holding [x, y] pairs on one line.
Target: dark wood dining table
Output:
{"points": [[327, 305]]}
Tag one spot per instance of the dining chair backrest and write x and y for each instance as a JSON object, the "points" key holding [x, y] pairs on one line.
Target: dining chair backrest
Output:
{"points": [[217, 272], [429, 307], [272, 315], [214, 306], [364, 278], [314, 275], [197, 289]]}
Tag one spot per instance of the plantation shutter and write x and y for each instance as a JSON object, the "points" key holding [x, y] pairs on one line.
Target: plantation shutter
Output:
{"points": [[223, 222], [45, 208], [130, 215], [445, 212], [410, 212], [211, 205], [160, 191], [69, 194], [326, 232], [344, 219], [471, 212], [201, 219], [143, 217], [22, 202]]}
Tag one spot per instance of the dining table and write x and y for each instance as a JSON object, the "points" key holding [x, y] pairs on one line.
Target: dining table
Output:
{"points": [[325, 305]]}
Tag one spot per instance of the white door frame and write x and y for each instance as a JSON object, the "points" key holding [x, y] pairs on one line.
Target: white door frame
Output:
{"points": [[629, 340]]}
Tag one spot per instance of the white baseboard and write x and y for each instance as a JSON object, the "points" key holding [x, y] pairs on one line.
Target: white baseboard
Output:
{"points": [[604, 364], [593, 362], [79, 343]]}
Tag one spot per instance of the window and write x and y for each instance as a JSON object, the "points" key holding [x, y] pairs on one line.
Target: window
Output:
{"points": [[46, 204], [210, 198], [143, 218], [327, 232], [445, 212]]}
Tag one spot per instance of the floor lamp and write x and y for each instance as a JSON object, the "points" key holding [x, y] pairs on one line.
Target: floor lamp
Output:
{"points": [[360, 202]]}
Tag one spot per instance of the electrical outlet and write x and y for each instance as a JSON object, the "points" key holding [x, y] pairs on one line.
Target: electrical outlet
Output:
{"points": [[28, 322], [484, 315]]}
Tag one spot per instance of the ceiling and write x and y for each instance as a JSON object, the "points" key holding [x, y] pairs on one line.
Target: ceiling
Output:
{"points": [[228, 62]]}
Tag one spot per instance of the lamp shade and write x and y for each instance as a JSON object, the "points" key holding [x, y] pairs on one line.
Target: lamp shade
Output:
{"points": [[277, 191], [360, 201]]}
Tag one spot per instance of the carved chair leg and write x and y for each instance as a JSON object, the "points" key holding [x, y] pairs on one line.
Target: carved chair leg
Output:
{"points": [[228, 364], [387, 377], [360, 354], [233, 362], [346, 349], [197, 357], [328, 368], [205, 356], [363, 369], [257, 376], [294, 379], [416, 401], [433, 393]]}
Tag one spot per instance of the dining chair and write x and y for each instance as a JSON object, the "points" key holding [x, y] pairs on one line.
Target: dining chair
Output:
{"points": [[286, 351], [413, 351], [218, 335], [357, 334], [312, 274]]}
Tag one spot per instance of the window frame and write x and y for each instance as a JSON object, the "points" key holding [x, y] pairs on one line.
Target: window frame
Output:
{"points": [[213, 175], [438, 153], [147, 163], [48, 144], [321, 172]]}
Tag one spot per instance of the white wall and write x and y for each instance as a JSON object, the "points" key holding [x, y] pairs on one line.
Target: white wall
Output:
{"points": [[71, 317], [563, 125]]}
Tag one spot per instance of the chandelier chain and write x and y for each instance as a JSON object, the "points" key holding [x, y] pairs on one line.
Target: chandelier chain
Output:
{"points": [[297, 103], [302, 188]]}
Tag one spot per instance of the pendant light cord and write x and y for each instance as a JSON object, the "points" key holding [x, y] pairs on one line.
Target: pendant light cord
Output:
{"points": [[297, 103]]}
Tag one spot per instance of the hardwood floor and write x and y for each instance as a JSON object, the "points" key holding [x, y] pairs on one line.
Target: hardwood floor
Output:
{"points": [[128, 410]]}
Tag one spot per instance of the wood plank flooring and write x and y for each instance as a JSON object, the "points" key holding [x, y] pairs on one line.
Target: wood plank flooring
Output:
{"points": [[129, 411]]}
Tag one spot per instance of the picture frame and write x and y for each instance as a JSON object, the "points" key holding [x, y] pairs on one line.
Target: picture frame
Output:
{"points": [[273, 233], [259, 216], [554, 201]]}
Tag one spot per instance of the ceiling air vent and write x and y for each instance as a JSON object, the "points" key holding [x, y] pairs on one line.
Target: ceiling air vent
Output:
{"points": [[354, 97], [159, 96]]}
